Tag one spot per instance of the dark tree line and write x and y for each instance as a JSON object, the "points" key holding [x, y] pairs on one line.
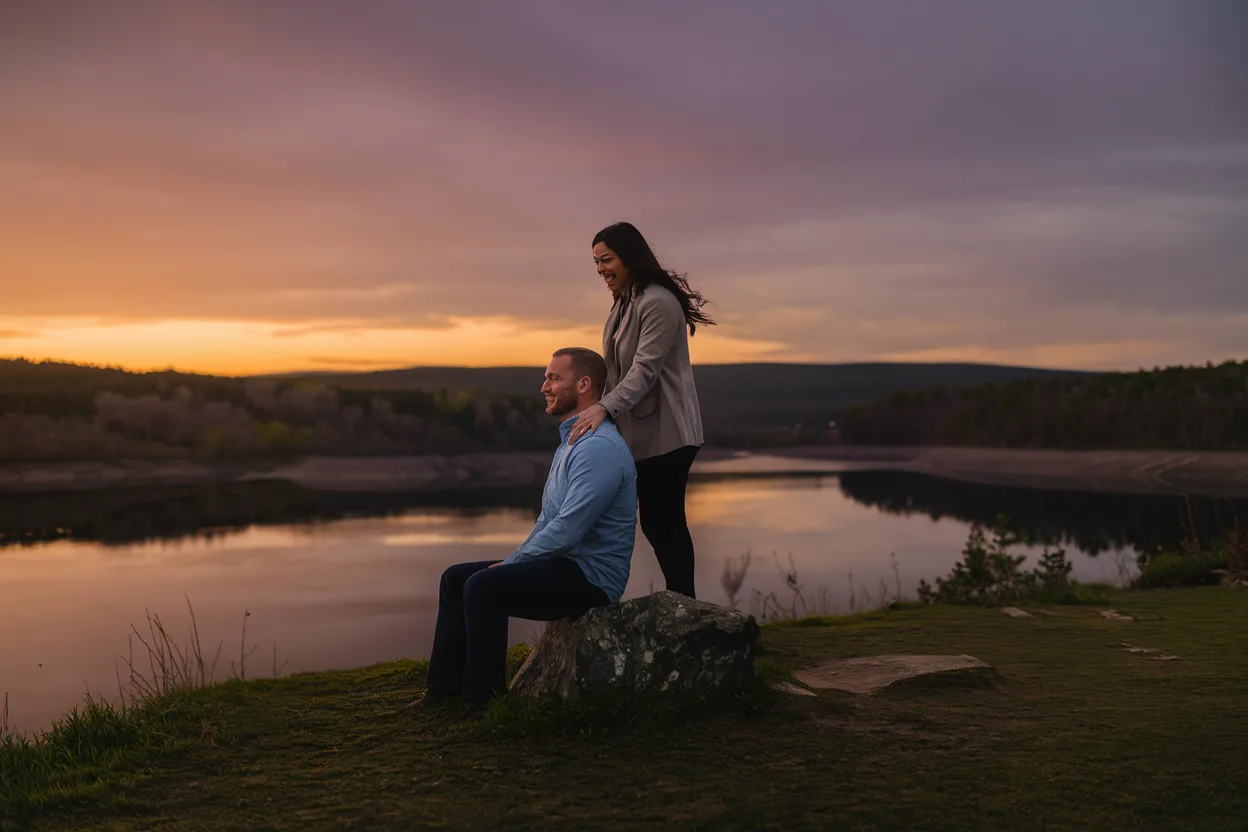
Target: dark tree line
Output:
{"points": [[65, 411], [1177, 408]]}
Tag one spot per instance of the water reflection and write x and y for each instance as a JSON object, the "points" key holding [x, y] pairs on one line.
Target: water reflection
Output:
{"points": [[339, 594], [344, 580], [1091, 522], [209, 511]]}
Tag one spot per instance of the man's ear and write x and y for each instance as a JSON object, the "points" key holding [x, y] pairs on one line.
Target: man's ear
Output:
{"points": [[584, 385]]}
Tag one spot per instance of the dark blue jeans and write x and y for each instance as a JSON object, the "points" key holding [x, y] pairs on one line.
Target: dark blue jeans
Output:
{"points": [[474, 602]]}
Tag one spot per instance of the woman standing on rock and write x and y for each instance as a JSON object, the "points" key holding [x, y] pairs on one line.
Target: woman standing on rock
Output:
{"points": [[650, 391]]}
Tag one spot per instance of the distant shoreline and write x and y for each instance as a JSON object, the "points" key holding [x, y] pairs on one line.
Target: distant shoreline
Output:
{"points": [[1198, 473]]}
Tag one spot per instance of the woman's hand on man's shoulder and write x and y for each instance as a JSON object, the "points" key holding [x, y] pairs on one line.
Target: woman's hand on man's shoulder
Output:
{"points": [[587, 421]]}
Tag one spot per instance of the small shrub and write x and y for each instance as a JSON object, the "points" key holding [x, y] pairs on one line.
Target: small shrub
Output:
{"points": [[1182, 569], [988, 574]]}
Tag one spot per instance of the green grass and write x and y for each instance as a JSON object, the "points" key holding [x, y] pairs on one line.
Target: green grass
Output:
{"points": [[86, 757], [1071, 731]]}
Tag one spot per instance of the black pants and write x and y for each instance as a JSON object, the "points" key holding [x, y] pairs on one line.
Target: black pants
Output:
{"points": [[661, 482], [474, 601]]}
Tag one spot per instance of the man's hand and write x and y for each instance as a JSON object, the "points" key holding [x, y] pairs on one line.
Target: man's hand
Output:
{"points": [[587, 421]]}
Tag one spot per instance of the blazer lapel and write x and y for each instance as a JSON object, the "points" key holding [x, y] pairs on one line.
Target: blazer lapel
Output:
{"points": [[608, 337], [617, 325]]}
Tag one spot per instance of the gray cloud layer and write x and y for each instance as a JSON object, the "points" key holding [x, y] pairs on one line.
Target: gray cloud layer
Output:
{"points": [[854, 180]]}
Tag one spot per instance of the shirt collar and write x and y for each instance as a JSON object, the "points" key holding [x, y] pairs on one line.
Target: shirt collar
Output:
{"points": [[565, 427]]}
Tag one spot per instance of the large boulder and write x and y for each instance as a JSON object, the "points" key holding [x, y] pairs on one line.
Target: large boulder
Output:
{"points": [[664, 643]]}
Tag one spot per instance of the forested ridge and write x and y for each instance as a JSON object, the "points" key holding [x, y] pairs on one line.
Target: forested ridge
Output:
{"points": [[772, 403], [1175, 408], [52, 410]]}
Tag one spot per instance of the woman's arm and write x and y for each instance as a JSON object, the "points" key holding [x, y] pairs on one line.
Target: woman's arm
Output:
{"points": [[661, 320]]}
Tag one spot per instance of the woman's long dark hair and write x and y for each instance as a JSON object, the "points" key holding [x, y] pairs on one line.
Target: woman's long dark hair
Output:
{"points": [[626, 241]]}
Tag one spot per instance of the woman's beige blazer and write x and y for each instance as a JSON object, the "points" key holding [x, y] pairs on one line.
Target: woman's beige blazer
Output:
{"points": [[650, 391]]}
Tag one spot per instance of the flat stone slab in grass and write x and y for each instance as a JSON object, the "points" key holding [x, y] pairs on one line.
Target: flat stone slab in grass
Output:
{"points": [[1152, 652], [873, 673], [1114, 615], [787, 687], [1015, 612]]}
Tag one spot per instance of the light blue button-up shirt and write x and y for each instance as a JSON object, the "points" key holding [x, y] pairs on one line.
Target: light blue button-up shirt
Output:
{"points": [[589, 509]]}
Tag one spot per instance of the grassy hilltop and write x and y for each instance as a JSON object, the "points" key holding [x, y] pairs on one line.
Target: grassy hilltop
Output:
{"points": [[1072, 730]]}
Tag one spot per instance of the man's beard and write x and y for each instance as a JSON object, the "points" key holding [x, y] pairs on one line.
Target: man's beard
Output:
{"points": [[563, 405]]}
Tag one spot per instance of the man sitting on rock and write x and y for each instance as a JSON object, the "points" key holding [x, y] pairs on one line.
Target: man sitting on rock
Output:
{"points": [[576, 557]]}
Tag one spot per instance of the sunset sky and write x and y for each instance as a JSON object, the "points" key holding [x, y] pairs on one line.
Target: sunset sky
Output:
{"points": [[259, 185]]}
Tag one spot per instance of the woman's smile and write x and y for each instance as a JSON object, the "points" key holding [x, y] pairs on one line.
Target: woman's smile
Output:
{"points": [[609, 267]]}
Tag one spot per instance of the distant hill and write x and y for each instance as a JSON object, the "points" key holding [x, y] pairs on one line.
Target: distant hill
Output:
{"points": [[19, 376], [734, 397]]}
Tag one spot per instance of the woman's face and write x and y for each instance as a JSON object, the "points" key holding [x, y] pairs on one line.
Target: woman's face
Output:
{"points": [[611, 269]]}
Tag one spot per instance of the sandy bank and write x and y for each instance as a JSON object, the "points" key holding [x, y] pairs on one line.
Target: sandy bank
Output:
{"points": [[1143, 472]]}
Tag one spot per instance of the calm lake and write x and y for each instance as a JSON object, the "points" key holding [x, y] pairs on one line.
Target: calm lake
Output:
{"points": [[344, 580]]}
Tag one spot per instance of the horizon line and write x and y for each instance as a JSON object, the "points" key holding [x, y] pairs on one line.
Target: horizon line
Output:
{"points": [[411, 367]]}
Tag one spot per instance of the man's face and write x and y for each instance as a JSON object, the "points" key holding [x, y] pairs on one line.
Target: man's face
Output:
{"points": [[560, 387]]}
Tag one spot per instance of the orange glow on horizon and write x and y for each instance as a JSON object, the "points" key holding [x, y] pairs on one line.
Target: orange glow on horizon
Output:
{"points": [[257, 347]]}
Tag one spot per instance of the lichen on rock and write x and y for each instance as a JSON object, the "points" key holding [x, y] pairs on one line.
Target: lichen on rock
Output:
{"points": [[661, 643]]}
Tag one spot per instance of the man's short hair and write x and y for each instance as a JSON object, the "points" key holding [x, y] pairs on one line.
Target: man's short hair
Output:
{"points": [[586, 362]]}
